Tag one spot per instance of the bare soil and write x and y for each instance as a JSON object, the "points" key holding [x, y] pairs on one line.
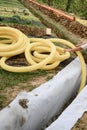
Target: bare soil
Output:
{"points": [[81, 123], [29, 31]]}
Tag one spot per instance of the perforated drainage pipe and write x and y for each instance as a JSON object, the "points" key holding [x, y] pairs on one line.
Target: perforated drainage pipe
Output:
{"points": [[33, 110]]}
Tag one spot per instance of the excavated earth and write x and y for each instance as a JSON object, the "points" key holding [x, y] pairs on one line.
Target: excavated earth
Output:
{"points": [[29, 31], [73, 26]]}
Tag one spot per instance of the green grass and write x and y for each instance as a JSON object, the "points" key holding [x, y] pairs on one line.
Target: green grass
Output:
{"points": [[13, 20], [8, 79]]}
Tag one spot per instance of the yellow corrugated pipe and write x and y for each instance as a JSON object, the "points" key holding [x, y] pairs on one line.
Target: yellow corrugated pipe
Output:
{"points": [[39, 53]]}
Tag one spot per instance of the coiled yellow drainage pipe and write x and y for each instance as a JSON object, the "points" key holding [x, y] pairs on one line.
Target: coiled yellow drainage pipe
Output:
{"points": [[39, 53]]}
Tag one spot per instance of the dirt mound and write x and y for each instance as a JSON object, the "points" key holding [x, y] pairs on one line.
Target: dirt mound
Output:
{"points": [[73, 26], [29, 31]]}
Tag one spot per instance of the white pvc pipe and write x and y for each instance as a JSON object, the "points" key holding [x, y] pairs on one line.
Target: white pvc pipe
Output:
{"points": [[71, 114], [33, 110]]}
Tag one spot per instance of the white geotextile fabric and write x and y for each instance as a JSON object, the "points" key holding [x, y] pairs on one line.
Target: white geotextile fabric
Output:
{"points": [[71, 114], [43, 102]]}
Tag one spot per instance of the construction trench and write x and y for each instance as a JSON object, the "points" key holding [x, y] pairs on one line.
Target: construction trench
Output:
{"points": [[35, 110]]}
